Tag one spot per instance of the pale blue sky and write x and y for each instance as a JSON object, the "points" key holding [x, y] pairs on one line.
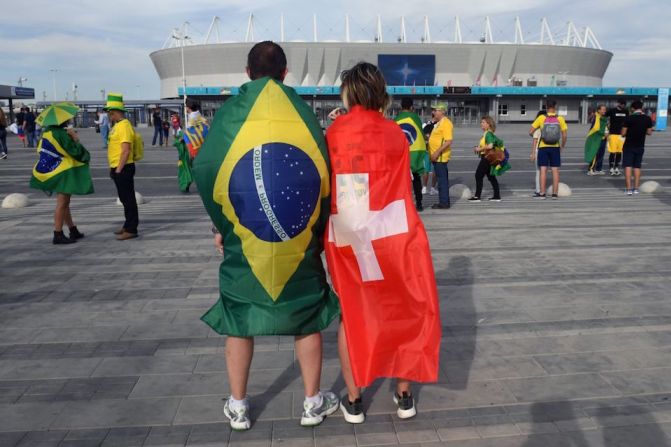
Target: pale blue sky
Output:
{"points": [[106, 45]]}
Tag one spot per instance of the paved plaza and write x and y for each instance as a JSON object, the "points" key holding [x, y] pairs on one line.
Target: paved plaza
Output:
{"points": [[556, 318]]}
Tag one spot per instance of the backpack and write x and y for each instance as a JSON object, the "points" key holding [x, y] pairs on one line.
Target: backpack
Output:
{"points": [[551, 130], [138, 146]]}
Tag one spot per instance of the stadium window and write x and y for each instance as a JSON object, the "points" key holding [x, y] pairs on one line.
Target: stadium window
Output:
{"points": [[503, 109], [523, 109]]}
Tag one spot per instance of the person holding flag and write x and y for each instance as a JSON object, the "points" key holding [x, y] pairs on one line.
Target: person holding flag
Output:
{"points": [[411, 126], [493, 160], [62, 167], [263, 176], [196, 129], [595, 144], [377, 251]]}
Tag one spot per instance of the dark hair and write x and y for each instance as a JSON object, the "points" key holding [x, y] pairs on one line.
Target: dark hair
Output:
{"points": [[550, 104], [364, 85], [266, 59], [541, 112], [622, 102], [638, 104], [193, 104], [407, 103]]}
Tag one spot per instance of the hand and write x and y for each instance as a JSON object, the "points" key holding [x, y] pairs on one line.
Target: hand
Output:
{"points": [[335, 113], [476, 149], [532, 157], [73, 134], [219, 243], [434, 156], [112, 174]]}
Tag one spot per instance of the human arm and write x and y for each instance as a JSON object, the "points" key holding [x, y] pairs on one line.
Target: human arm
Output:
{"points": [[564, 137], [125, 153], [69, 141]]}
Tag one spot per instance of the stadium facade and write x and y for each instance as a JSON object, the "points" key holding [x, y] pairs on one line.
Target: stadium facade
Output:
{"points": [[508, 80]]}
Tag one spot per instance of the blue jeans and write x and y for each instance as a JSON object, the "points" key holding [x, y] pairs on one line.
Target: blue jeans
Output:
{"points": [[158, 132], [104, 134], [30, 135], [443, 178]]}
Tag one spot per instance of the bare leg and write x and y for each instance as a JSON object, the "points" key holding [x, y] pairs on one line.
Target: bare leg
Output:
{"points": [[68, 217], [637, 177], [353, 392], [239, 353], [627, 178], [555, 180], [402, 386], [62, 209], [543, 179], [309, 355]]}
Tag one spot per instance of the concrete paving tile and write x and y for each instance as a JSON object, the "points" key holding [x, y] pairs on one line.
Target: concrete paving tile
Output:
{"points": [[29, 416], [641, 381], [144, 365], [172, 385], [102, 333], [573, 386], [47, 368], [163, 331], [117, 413]]}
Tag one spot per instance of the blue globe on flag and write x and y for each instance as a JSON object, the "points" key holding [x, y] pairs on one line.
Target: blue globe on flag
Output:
{"points": [[274, 189], [49, 158], [410, 132]]}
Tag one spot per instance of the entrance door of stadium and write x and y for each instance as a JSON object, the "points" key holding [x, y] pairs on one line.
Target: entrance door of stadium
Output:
{"points": [[466, 113]]}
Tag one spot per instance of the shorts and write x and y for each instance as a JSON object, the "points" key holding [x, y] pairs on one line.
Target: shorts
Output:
{"points": [[632, 157], [615, 143], [428, 166], [549, 156]]}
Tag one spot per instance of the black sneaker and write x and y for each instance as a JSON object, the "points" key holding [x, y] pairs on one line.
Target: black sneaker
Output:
{"points": [[61, 239], [536, 195], [494, 199], [352, 411], [474, 199], [420, 208], [406, 405], [440, 206], [555, 196], [540, 196]]}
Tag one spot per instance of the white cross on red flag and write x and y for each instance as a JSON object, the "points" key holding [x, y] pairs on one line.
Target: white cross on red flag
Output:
{"points": [[378, 253]]}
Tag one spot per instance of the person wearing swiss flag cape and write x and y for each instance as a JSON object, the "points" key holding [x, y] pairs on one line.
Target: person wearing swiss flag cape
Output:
{"points": [[377, 251]]}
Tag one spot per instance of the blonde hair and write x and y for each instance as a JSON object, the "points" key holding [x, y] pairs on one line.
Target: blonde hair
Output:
{"points": [[364, 85], [490, 121], [3, 118]]}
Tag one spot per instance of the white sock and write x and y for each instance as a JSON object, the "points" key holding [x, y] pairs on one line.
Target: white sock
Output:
{"points": [[236, 404], [315, 400]]}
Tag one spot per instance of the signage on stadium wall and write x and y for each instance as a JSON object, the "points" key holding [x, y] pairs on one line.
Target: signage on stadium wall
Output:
{"points": [[408, 70], [662, 108]]}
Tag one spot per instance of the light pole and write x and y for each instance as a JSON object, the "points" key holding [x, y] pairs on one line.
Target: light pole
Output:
{"points": [[22, 80], [181, 37], [53, 73], [102, 94]]}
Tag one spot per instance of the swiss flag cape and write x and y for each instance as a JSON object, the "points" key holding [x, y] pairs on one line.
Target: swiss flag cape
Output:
{"points": [[378, 253]]}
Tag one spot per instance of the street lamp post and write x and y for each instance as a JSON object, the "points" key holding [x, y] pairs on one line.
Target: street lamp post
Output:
{"points": [[102, 94], [181, 37], [53, 73]]}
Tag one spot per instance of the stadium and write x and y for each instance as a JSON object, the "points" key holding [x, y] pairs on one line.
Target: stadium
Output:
{"points": [[505, 79]]}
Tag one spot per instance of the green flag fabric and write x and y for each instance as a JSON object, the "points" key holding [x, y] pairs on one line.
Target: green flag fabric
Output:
{"points": [[62, 165], [263, 176], [595, 137], [184, 175], [412, 128]]}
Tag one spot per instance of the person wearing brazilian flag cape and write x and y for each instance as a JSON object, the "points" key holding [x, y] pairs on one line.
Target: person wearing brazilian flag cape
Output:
{"points": [[263, 176], [62, 167], [595, 143], [411, 125]]}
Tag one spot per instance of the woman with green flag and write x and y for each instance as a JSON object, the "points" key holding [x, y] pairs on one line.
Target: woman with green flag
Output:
{"points": [[493, 160], [62, 167]]}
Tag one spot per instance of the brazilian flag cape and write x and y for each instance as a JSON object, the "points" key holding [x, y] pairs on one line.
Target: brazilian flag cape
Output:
{"points": [[62, 165], [595, 137], [263, 176], [184, 175], [412, 129]]}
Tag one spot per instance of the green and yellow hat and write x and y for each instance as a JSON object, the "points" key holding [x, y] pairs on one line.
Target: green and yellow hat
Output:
{"points": [[115, 102]]}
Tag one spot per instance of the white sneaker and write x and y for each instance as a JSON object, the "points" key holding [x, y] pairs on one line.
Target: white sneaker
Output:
{"points": [[239, 417], [314, 415], [628, 192], [599, 173], [590, 172], [406, 406], [433, 192], [617, 171], [3, 156], [423, 189], [612, 171], [636, 191]]}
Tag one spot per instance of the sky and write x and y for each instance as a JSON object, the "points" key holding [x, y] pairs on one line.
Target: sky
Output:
{"points": [[106, 45]]}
